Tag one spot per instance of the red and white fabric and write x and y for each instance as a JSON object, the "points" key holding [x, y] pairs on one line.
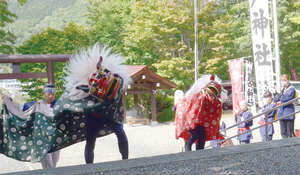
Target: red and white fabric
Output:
{"points": [[198, 109]]}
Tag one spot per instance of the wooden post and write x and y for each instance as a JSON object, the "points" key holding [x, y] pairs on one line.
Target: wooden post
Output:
{"points": [[136, 106], [16, 68], [50, 72], [124, 107], [153, 105]]}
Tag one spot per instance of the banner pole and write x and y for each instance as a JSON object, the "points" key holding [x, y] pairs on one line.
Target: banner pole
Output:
{"points": [[196, 40], [243, 79], [277, 56]]}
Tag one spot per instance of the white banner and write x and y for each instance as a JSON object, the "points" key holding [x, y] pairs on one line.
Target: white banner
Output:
{"points": [[261, 40], [249, 94]]}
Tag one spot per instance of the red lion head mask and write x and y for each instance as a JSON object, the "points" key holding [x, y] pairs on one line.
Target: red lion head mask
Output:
{"points": [[103, 83]]}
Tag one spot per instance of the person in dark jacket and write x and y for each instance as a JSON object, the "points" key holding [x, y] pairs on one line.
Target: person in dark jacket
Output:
{"points": [[269, 104], [240, 117], [284, 94]]}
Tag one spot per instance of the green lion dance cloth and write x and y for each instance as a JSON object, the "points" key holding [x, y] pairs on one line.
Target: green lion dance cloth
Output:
{"points": [[30, 135]]}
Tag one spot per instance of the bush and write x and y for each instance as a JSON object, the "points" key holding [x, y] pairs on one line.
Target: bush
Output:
{"points": [[166, 115], [164, 104]]}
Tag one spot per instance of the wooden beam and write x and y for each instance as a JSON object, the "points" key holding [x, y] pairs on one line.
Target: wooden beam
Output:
{"points": [[147, 85], [138, 92], [150, 78], [154, 80], [34, 58], [24, 75]]}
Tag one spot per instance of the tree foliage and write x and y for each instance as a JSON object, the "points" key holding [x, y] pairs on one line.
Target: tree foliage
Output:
{"points": [[22, 2], [241, 29], [6, 37], [162, 36], [37, 15], [51, 41], [289, 38], [296, 19], [107, 20]]}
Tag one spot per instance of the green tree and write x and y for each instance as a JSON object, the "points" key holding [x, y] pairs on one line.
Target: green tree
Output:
{"points": [[162, 36], [296, 19], [50, 41], [289, 38], [6, 37], [107, 20], [36, 15], [241, 29]]}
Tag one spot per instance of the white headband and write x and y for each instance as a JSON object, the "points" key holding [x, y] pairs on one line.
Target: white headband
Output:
{"points": [[49, 89]]}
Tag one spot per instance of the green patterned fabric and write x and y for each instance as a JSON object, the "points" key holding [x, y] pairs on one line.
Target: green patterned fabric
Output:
{"points": [[30, 138], [36, 132], [71, 112], [66, 107]]}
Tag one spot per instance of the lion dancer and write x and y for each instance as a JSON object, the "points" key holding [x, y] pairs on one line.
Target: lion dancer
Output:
{"points": [[199, 113], [96, 81]]}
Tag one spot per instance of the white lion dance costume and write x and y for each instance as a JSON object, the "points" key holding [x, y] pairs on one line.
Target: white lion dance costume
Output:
{"points": [[199, 113]]}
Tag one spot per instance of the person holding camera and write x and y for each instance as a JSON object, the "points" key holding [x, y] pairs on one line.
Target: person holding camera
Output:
{"points": [[284, 94]]}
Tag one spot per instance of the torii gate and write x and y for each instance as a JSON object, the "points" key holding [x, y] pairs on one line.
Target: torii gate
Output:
{"points": [[144, 80]]}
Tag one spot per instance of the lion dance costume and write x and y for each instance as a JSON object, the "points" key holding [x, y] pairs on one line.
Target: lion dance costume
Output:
{"points": [[90, 107], [96, 80], [198, 114]]}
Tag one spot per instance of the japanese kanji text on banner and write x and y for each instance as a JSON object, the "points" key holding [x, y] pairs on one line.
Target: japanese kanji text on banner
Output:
{"points": [[235, 69], [249, 94], [261, 41]]}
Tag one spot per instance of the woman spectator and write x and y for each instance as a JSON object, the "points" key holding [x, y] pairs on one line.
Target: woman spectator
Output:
{"points": [[284, 94]]}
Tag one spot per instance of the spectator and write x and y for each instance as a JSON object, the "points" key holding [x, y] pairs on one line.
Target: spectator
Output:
{"points": [[268, 104], [240, 117], [284, 94]]}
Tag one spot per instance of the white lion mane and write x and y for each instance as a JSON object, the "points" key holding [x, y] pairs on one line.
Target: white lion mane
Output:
{"points": [[81, 65], [201, 82]]}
